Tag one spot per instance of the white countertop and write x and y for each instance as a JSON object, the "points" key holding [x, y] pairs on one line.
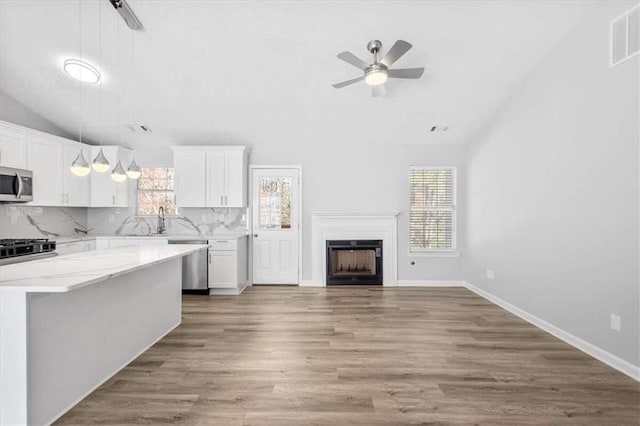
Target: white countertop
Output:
{"points": [[66, 273], [73, 239]]}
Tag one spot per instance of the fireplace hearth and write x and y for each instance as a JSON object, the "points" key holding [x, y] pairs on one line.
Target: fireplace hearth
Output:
{"points": [[354, 262]]}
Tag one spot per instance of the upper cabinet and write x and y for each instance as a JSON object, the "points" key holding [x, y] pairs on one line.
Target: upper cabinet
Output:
{"points": [[207, 176], [13, 146], [189, 171], [105, 192], [49, 158]]}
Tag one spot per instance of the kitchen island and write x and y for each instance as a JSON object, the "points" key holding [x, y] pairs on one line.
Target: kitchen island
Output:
{"points": [[68, 323]]}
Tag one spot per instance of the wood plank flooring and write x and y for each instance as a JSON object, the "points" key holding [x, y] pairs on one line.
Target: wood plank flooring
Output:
{"points": [[359, 356]]}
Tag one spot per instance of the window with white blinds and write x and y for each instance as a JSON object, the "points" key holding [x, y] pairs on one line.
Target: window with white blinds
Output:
{"points": [[432, 219]]}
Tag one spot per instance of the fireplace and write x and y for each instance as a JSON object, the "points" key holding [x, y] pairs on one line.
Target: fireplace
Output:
{"points": [[354, 262]]}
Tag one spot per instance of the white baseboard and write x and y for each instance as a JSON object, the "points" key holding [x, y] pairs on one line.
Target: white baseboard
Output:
{"points": [[310, 283], [598, 353], [430, 283]]}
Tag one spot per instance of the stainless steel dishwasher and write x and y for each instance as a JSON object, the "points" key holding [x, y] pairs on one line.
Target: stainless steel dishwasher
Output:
{"points": [[194, 267]]}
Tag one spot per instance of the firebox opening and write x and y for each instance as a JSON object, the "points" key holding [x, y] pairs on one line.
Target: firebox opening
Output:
{"points": [[354, 262]]}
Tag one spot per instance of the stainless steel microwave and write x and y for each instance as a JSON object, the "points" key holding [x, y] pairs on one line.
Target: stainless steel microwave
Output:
{"points": [[16, 185]]}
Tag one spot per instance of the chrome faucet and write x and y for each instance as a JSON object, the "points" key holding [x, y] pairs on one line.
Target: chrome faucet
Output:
{"points": [[161, 227]]}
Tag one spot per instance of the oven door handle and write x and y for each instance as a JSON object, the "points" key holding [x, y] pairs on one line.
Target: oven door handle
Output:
{"points": [[20, 185]]}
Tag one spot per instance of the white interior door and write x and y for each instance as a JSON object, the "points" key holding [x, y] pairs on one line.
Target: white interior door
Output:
{"points": [[276, 217]]}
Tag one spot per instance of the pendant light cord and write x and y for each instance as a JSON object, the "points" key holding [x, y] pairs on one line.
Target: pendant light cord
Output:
{"points": [[80, 54], [101, 66]]}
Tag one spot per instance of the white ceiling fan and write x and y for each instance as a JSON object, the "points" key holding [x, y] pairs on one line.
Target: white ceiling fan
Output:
{"points": [[376, 73]]}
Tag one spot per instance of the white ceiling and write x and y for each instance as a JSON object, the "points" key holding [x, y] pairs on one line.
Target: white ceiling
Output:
{"points": [[259, 72]]}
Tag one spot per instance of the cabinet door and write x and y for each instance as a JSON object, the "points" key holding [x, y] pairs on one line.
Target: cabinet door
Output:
{"points": [[124, 242], [190, 177], [44, 159], [215, 182], [103, 188], [13, 147], [70, 248], [223, 269], [236, 179], [75, 188]]}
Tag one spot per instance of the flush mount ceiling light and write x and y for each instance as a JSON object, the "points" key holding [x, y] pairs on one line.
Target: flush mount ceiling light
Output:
{"points": [[82, 71]]}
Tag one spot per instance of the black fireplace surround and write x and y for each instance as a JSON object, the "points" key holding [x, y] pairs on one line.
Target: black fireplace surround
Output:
{"points": [[353, 262]]}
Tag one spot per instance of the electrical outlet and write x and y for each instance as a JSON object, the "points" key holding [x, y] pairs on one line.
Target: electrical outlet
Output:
{"points": [[112, 217], [616, 322], [203, 218], [490, 274]]}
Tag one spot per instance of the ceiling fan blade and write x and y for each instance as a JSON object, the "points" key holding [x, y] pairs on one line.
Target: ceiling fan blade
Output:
{"points": [[397, 50], [405, 73], [377, 91], [348, 82], [352, 59]]}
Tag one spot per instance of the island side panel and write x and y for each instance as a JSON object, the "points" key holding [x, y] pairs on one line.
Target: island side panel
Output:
{"points": [[81, 338], [13, 358]]}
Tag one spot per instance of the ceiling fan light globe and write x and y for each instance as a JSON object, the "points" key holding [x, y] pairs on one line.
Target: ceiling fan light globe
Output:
{"points": [[376, 77]]}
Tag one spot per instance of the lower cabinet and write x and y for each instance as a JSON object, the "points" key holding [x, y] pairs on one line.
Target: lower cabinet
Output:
{"points": [[228, 265], [75, 247]]}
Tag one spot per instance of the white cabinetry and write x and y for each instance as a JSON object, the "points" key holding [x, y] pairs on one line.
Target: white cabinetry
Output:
{"points": [[105, 192], [49, 158], [189, 170], [13, 146], [103, 243], [228, 265], [75, 247], [211, 176], [44, 159]]}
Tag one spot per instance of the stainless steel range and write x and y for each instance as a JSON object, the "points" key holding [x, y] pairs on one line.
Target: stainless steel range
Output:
{"points": [[22, 250]]}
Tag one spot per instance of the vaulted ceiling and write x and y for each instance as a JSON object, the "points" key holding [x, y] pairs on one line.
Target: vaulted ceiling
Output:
{"points": [[260, 72]]}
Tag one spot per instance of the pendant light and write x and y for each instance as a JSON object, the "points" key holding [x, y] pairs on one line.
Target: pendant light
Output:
{"points": [[118, 174], [80, 166], [100, 163], [133, 171]]}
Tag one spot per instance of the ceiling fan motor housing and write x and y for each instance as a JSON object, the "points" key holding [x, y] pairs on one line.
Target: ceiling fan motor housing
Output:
{"points": [[374, 46]]}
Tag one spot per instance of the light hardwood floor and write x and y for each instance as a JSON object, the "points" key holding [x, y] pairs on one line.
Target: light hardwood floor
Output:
{"points": [[359, 356]]}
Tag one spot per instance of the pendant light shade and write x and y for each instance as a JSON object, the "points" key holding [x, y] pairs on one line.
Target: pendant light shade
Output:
{"points": [[118, 174], [80, 166], [133, 172], [100, 163]]}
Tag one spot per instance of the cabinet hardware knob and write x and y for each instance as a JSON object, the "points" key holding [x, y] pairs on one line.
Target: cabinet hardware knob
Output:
{"points": [[255, 235]]}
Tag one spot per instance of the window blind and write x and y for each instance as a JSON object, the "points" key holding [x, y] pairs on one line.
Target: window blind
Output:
{"points": [[432, 212]]}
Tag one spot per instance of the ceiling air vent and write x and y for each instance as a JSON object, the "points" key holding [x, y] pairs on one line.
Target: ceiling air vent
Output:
{"points": [[625, 36], [138, 128]]}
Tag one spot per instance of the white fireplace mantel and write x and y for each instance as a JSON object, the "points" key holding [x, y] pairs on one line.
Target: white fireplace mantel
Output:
{"points": [[354, 225]]}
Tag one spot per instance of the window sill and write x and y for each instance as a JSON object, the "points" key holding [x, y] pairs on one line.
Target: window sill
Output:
{"points": [[433, 254]]}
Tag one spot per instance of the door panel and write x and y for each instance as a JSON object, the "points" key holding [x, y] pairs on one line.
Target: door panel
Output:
{"points": [[44, 159], [215, 184], [190, 179], [222, 269], [13, 147], [235, 179], [275, 201], [76, 188]]}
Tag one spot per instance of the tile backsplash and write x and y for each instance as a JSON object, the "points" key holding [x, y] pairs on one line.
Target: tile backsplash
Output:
{"points": [[18, 221], [54, 222], [189, 221]]}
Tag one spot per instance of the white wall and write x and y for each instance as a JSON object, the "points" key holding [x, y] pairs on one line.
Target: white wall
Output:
{"points": [[346, 174], [15, 112], [553, 190]]}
